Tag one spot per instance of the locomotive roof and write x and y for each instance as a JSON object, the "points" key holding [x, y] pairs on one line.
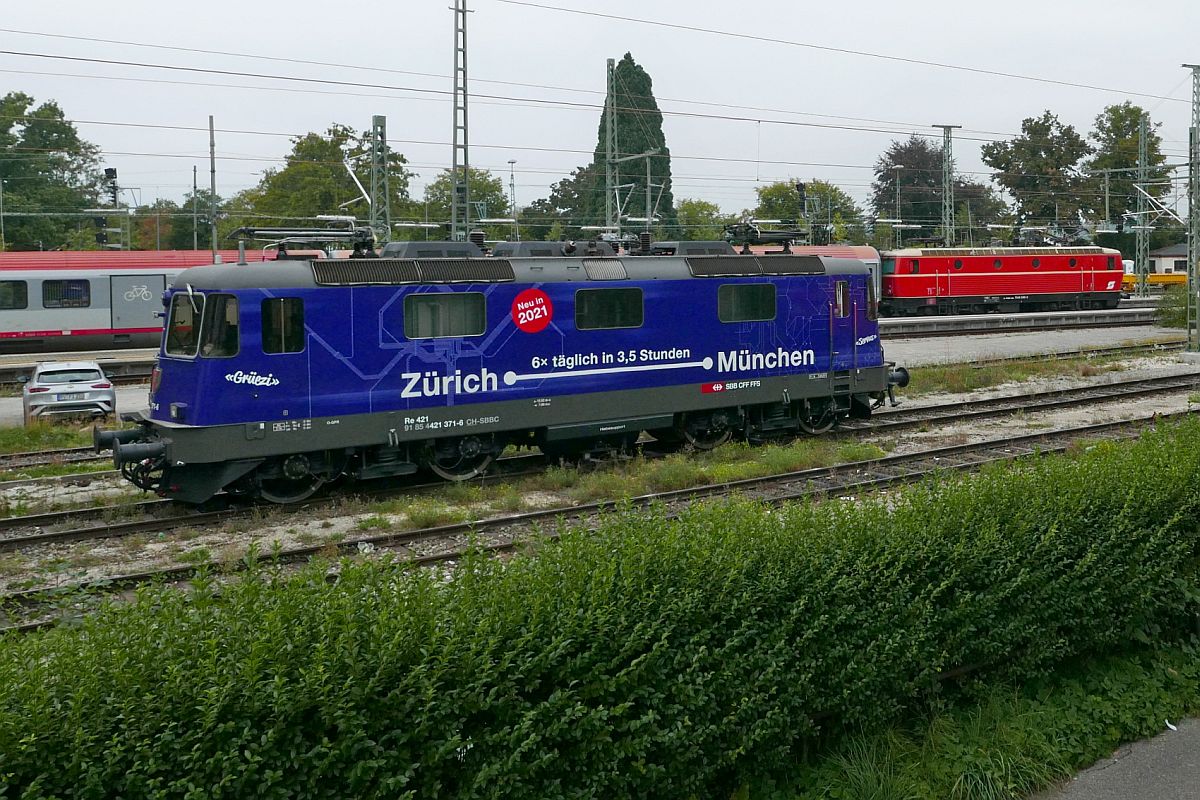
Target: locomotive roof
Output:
{"points": [[390, 271], [913, 252]]}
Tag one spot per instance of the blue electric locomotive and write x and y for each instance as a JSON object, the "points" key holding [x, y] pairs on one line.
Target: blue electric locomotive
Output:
{"points": [[276, 378]]}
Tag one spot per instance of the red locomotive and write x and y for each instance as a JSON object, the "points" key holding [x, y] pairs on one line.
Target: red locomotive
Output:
{"points": [[1007, 279]]}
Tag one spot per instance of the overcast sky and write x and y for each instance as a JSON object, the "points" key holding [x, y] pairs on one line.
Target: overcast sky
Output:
{"points": [[829, 113]]}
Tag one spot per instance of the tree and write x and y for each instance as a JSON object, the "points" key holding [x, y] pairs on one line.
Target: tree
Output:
{"points": [[702, 220], [314, 181], [916, 165], [46, 167], [488, 197], [181, 237], [153, 225], [580, 199], [826, 205], [1115, 137], [1041, 169]]}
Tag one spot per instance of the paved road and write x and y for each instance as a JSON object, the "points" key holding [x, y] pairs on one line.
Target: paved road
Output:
{"points": [[1166, 767]]}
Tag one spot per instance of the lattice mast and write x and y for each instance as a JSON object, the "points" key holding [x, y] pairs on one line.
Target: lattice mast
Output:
{"points": [[460, 196], [1193, 317], [381, 196], [947, 183], [1141, 257]]}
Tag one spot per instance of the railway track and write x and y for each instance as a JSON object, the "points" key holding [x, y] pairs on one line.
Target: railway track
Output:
{"points": [[509, 532], [17, 533], [40, 458]]}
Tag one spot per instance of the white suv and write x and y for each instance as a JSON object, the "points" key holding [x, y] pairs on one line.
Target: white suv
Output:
{"points": [[68, 388]]}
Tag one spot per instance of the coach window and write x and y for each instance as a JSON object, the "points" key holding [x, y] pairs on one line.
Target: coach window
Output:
{"points": [[437, 315], [597, 309], [183, 327], [220, 329], [746, 302], [283, 325], [841, 293], [66, 294], [13, 295]]}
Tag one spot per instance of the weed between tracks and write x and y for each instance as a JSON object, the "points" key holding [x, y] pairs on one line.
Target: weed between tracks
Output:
{"points": [[44, 436], [956, 378]]}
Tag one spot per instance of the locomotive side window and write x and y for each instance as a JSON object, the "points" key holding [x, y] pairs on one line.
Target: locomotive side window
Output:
{"points": [[13, 295], [872, 301], [220, 329], [283, 325], [958, 263], [442, 314], [1037, 262], [1072, 262], [1112, 262], [66, 294], [598, 309], [916, 266], [841, 307], [183, 328], [746, 302]]}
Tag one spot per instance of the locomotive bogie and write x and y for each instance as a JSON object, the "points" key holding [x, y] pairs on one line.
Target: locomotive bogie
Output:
{"points": [[276, 381]]}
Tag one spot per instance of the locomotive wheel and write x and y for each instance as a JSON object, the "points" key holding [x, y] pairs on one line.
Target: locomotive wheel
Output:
{"points": [[460, 459], [707, 431], [295, 484], [822, 419]]}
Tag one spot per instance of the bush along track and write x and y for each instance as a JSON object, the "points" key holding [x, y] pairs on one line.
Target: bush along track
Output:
{"points": [[652, 658]]}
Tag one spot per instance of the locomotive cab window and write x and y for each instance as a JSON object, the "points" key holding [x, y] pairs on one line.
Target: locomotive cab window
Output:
{"points": [[599, 309], [841, 303], [442, 314], [283, 325], [183, 326], [13, 295], [220, 329], [872, 301], [916, 266], [746, 302], [66, 294]]}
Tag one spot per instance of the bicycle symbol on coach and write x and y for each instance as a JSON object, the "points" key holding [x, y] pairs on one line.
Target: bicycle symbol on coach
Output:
{"points": [[138, 293]]}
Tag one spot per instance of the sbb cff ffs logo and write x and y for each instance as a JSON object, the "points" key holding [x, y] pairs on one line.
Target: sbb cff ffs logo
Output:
{"points": [[728, 386]]}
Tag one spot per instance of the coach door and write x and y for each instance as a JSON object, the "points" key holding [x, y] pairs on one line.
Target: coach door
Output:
{"points": [[135, 301], [841, 327]]}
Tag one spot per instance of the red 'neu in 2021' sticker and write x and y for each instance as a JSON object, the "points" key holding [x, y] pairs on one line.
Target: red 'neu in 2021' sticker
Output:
{"points": [[532, 310]]}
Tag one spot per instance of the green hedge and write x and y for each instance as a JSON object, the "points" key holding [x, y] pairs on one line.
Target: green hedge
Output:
{"points": [[652, 659]]}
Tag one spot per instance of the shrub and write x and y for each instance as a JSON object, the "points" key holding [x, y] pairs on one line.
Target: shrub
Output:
{"points": [[653, 657]]}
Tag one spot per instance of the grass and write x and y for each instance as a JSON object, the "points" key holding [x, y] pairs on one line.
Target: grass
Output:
{"points": [[959, 378], [44, 436], [1006, 742], [57, 470]]}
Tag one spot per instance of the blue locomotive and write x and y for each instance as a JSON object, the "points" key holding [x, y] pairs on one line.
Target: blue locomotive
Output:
{"points": [[276, 378]]}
